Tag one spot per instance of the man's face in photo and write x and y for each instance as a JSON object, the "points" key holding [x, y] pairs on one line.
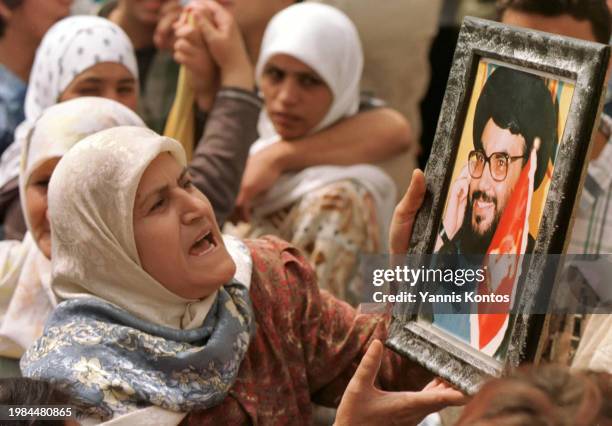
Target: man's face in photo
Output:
{"points": [[488, 197]]}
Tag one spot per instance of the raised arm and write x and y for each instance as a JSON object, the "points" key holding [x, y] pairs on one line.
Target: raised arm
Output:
{"points": [[368, 137], [219, 159], [213, 44]]}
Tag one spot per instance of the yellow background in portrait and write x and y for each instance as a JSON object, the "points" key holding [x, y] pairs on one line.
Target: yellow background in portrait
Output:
{"points": [[561, 91]]}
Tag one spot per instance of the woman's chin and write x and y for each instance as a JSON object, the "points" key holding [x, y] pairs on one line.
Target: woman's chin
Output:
{"points": [[224, 271], [227, 269], [289, 133]]}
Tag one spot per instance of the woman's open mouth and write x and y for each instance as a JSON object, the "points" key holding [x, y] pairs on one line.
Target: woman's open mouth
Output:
{"points": [[204, 245]]}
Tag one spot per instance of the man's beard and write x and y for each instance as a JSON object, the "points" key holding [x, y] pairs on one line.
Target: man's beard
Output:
{"points": [[473, 241]]}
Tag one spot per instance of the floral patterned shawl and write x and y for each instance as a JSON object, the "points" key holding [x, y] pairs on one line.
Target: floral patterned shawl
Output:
{"points": [[114, 362]]}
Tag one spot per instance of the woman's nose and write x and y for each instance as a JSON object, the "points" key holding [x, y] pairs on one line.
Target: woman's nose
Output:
{"points": [[289, 92], [193, 208], [112, 93]]}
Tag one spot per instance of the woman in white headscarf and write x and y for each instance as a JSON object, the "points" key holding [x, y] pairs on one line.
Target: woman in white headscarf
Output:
{"points": [[79, 56], [308, 71], [91, 56], [25, 269], [226, 331]]}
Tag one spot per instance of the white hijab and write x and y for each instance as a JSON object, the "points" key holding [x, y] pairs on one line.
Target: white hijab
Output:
{"points": [[26, 298], [93, 245], [70, 47], [326, 40]]}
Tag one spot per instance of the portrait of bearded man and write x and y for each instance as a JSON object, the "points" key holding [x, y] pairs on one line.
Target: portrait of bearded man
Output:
{"points": [[515, 110]]}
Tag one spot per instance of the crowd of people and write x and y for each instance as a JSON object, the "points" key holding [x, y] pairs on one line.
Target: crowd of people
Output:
{"points": [[147, 280]]}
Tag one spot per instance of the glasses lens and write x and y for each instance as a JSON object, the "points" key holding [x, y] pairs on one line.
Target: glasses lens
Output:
{"points": [[499, 166], [476, 164]]}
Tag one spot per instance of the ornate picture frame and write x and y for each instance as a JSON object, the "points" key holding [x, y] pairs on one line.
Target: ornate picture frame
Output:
{"points": [[482, 46]]}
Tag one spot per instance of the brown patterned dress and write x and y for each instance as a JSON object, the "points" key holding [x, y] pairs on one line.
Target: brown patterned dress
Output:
{"points": [[306, 346], [332, 226]]}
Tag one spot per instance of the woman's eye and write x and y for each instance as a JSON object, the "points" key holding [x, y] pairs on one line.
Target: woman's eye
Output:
{"points": [[88, 91], [125, 90], [158, 204], [274, 74], [310, 81], [186, 183]]}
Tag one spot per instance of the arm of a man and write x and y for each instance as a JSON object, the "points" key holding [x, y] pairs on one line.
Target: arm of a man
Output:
{"points": [[368, 137], [219, 159]]}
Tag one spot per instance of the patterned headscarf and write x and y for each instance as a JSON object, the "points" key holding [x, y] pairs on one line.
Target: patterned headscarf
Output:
{"points": [[70, 47], [122, 340]]}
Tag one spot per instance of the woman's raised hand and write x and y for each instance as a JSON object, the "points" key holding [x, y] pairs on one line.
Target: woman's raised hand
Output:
{"points": [[405, 212], [169, 14], [191, 50], [363, 404], [225, 43]]}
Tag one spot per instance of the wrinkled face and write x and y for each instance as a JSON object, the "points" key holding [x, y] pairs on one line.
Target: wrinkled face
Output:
{"points": [[487, 197], [36, 202], [144, 11], [296, 98], [563, 24], [177, 237], [254, 14], [109, 80], [36, 16]]}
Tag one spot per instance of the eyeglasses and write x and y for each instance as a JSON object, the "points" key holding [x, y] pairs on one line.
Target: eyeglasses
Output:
{"points": [[498, 164]]}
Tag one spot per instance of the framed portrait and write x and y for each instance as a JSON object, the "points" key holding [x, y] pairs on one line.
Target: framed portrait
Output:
{"points": [[507, 165]]}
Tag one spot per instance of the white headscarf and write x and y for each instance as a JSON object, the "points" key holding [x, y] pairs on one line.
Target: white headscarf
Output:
{"points": [[70, 47], [326, 40], [93, 245], [26, 298]]}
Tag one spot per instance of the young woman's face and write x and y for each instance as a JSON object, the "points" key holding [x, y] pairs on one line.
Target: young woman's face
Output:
{"points": [[109, 80], [177, 237], [36, 202], [296, 98]]}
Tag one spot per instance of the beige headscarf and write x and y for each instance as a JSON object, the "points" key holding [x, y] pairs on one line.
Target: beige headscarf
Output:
{"points": [[26, 298], [83, 255]]}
